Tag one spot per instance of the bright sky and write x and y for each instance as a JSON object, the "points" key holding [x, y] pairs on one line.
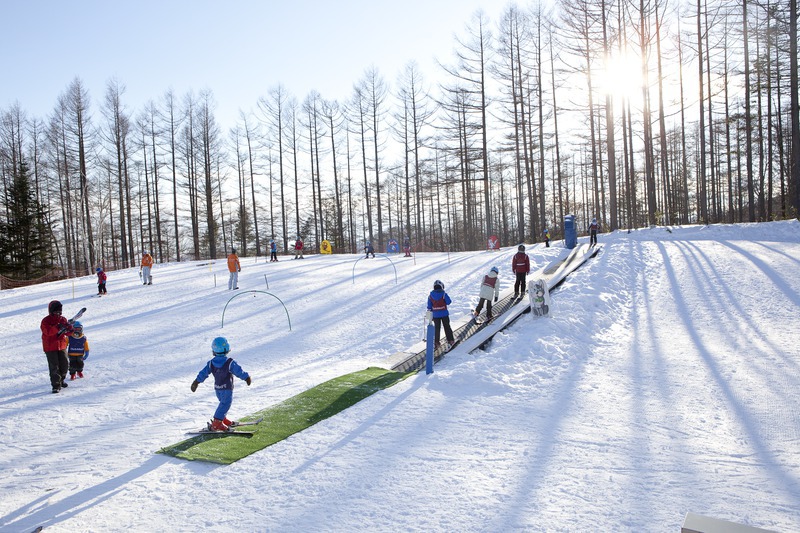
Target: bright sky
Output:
{"points": [[238, 49]]}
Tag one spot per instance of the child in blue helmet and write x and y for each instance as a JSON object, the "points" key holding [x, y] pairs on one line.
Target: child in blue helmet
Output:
{"points": [[223, 369], [77, 350], [101, 281]]}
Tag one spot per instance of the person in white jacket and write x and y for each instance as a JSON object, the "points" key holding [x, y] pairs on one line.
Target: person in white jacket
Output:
{"points": [[490, 291]]}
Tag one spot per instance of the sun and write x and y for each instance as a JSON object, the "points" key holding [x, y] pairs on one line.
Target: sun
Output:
{"points": [[621, 77]]}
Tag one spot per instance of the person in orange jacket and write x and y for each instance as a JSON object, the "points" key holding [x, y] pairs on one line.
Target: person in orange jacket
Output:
{"points": [[55, 331], [234, 267], [147, 264]]}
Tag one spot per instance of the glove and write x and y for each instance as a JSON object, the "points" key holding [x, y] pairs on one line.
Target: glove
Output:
{"points": [[194, 385], [248, 381], [428, 316], [495, 299], [86, 356], [240, 270]]}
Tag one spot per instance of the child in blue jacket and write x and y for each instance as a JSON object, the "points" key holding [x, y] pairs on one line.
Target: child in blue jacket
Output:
{"points": [[223, 369], [438, 301]]}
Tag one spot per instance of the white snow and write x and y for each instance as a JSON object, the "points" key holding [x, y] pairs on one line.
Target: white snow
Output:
{"points": [[665, 381]]}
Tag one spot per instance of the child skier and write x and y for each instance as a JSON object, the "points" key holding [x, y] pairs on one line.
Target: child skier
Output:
{"points": [[78, 351], [593, 227], [298, 248], [369, 250], [55, 329], [521, 267], [273, 251], [490, 289], [546, 237], [438, 300], [101, 282], [223, 369]]}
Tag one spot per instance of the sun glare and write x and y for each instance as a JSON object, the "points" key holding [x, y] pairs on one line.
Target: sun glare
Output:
{"points": [[622, 77]]}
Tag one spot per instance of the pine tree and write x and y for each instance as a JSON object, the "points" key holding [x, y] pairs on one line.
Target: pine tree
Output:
{"points": [[24, 245]]}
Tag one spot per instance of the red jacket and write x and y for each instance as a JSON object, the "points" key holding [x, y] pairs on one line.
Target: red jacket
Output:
{"points": [[521, 263], [51, 340]]}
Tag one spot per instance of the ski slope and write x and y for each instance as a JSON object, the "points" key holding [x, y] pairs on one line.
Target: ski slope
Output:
{"points": [[665, 381]]}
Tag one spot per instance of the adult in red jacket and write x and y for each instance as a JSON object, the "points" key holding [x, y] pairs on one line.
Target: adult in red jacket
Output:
{"points": [[521, 266], [55, 332]]}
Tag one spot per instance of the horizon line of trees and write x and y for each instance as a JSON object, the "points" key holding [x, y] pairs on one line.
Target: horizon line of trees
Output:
{"points": [[529, 122]]}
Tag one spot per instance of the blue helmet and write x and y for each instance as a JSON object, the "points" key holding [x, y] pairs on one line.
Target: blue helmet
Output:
{"points": [[99, 269], [220, 346], [495, 270], [77, 327]]}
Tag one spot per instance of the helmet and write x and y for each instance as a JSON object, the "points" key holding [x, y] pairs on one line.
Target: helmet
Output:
{"points": [[77, 327], [233, 251], [54, 307], [438, 285], [220, 346], [594, 221], [495, 270], [99, 269], [521, 248]]}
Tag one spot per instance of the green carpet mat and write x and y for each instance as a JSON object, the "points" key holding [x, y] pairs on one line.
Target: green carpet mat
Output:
{"points": [[287, 418]]}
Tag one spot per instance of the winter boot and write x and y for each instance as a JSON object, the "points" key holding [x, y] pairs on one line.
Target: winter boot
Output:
{"points": [[72, 377], [218, 425], [80, 374], [230, 423], [64, 384]]}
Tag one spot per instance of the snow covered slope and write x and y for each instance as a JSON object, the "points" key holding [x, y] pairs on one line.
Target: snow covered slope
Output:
{"points": [[666, 380]]}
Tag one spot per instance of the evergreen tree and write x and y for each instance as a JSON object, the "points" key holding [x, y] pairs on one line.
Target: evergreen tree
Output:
{"points": [[24, 245]]}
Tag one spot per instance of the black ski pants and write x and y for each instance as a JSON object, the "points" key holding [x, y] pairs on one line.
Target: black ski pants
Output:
{"points": [[448, 331], [58, 365]]}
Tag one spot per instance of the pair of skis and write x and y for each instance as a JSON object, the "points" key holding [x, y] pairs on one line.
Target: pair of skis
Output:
{"points": [[79, 314], [208, 431]]}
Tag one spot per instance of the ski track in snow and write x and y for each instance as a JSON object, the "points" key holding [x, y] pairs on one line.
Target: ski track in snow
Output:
{"points": [[666, 380]]}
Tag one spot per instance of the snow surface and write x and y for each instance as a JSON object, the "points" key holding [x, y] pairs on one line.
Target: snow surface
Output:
{"points": [[666, 381]]}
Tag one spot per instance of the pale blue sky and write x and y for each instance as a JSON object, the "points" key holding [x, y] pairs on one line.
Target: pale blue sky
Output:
{"points": [[238, 49]]}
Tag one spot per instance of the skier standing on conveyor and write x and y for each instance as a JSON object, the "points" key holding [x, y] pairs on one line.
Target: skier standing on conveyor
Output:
{"points": [[490, 288], [521, 266], [438, 300]]}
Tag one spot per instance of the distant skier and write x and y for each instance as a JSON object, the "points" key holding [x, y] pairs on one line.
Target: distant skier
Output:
{"points": [[77, 351], [298, 248], [521, 266], [223, 368], [490, 289], [101, 282], [234, 267], [273, 251], [438, 300], [369, 250], [593, 227], [546, 237], [407, 247], [147, 265], [55, 329]]}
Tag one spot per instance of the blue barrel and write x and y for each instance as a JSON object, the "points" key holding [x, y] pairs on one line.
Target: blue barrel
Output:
{"points": [[570, 234]]}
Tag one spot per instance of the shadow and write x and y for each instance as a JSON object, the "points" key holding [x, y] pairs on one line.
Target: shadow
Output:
{"points": [[39, 514]]}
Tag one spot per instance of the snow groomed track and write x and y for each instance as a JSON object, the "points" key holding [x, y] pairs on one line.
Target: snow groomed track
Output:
{"points": [[471, 335]]}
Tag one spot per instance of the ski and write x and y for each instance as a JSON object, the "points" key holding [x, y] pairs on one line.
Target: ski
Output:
{"points": [[221, 433], [251, 423], [73, 319]]}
